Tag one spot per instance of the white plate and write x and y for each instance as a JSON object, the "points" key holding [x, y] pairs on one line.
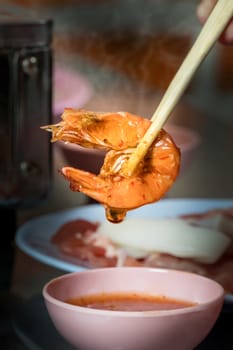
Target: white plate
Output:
{"points": [[34, 237]]}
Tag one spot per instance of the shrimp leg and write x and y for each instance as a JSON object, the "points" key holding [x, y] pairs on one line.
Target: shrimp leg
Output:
{"points": [[86, 182]]}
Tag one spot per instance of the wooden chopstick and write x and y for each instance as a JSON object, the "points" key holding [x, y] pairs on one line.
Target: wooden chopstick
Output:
{"points": [[217, 21]]}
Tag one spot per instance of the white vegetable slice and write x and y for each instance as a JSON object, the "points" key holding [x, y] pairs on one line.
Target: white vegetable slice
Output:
{"points": [[172, 236]]}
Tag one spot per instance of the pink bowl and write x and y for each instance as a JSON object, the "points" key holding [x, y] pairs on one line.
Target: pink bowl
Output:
{"points": [[91, 329], [91, 159], [70, 88]]}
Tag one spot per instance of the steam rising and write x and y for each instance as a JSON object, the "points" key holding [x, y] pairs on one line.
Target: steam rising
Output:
{"points": [[132, 46]]}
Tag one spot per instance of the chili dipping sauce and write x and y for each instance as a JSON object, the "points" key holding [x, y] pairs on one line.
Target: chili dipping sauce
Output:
{"points": [[129, 302]]}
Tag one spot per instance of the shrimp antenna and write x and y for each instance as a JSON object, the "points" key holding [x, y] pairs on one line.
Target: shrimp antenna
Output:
{"points": [[216, 23]]}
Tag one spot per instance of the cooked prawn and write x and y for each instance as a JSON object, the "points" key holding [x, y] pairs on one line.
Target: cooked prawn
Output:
{"points": [[107, 131], [119, 133]]}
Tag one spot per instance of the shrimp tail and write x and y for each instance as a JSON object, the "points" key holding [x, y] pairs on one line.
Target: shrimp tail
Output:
{"points": [[86, 182]]}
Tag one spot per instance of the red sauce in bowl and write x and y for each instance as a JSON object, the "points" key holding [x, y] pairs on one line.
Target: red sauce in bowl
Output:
{"points": [[129, 302]]}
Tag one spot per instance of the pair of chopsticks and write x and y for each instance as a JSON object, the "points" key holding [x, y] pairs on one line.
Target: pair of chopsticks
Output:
{"points": [[214, 26]]}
